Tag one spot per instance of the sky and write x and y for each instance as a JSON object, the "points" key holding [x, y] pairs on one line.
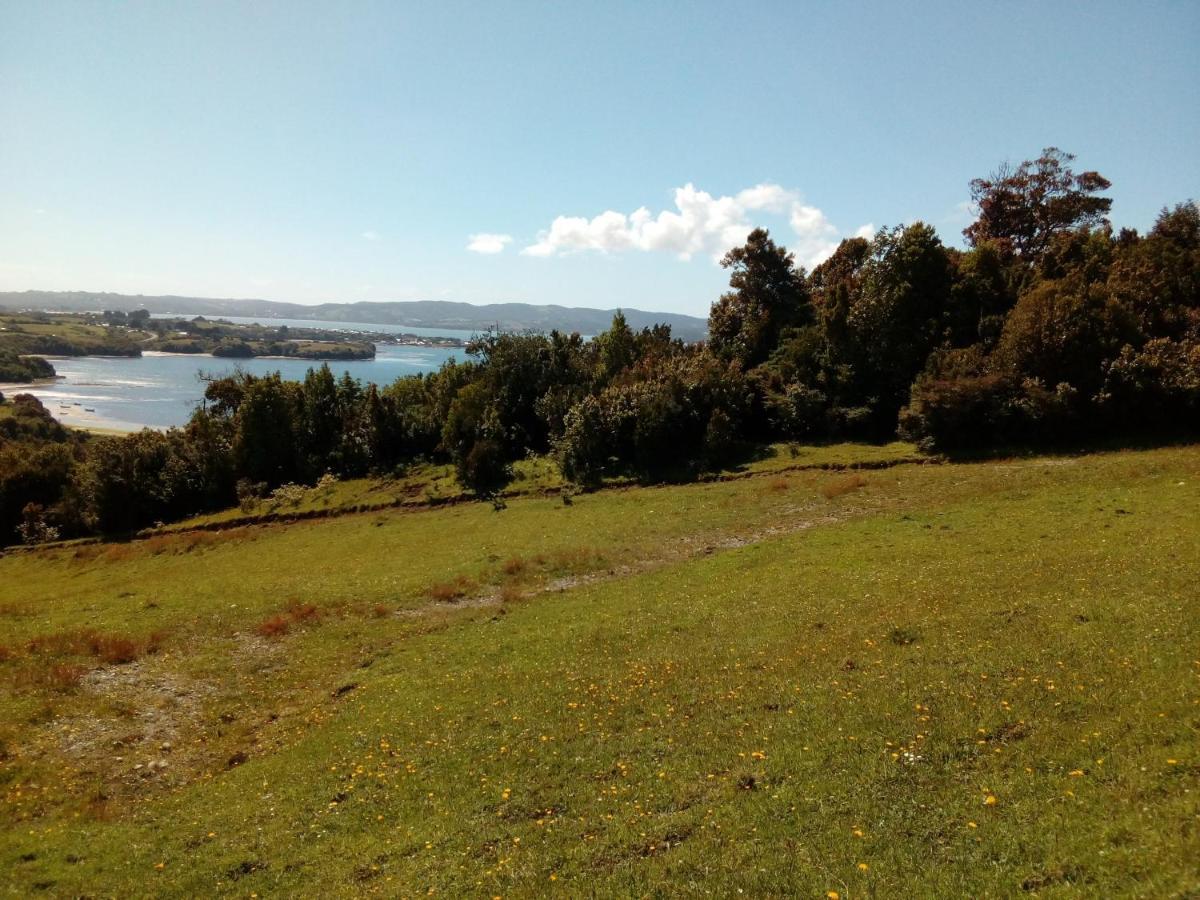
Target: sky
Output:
{"points": [[587, 154]]}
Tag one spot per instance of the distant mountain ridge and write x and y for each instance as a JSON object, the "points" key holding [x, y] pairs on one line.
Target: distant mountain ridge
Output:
{"points": [[420, 313]]}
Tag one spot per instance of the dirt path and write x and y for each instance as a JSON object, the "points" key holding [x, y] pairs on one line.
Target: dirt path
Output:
{"points": [[669, 553]]}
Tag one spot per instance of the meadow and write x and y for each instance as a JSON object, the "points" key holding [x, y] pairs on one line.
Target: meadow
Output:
{"points": [[801, 679]]}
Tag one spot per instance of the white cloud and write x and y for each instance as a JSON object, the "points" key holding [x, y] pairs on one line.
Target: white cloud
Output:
{"points": [[370, 235], [866, 231], [488, 243], [700, 223]]}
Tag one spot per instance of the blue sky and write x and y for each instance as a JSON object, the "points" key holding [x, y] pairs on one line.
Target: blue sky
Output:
{"points": [[355, 151]]}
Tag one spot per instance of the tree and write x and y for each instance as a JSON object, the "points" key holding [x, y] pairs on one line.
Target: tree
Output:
{"points": [[615, 348], [1026, 206], [264, 441], [1064, 332], [769, 294], [483, 469], [1158, 277], [320, 429], [897, 317]]}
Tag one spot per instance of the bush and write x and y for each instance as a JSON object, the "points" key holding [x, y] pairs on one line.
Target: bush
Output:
{"points": [[1064, 331], [957, 414], [23, 369], [484, 469], [973, 413], [1156, 387], [249, 493], [290, 495], [34, 529]]}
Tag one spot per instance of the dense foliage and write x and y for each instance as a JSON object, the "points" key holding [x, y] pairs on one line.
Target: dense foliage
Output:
{"points": [[1050, 327], [18, 369]]}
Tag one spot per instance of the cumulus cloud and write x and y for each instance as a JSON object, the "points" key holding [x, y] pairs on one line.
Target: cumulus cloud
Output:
{"points": [[699, 224], [488, 243]]}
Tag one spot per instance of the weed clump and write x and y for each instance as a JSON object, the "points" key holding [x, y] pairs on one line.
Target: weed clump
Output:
{"points": [[902, 637], [275, 626], [302, 612], [839, 487], [510, 593], [114, 649], [449, 591]]}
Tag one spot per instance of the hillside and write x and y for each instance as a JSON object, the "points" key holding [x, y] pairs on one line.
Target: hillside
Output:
{"points": [[417, 313], [918, 680]]}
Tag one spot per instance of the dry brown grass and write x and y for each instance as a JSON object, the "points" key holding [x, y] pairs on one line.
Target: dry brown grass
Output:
{"points": [[775, 485], [839, 487], [119, 553], [55, 677], [575, 559], [87, 552], [63, 676], [295, 613], [159, 544], [113, 649], [275, 626], [510, 593], [16, 610], [449, 591], [514, 566], [303, 612]]}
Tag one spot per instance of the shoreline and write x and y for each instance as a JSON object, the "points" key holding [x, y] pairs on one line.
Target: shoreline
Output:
{"points": [[327, 359], [22, 387], [73, 417], [59, 392]]}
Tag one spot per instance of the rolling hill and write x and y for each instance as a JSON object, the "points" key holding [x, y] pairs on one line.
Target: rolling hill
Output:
{"points": [[418, 313]]}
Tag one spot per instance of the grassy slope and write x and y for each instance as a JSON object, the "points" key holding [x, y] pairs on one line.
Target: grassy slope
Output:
{"points": [[772, 688], [428, 483], [20, 333]]}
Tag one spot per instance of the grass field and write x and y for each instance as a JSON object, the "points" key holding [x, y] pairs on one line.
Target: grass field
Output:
{"points": [[67, 334], [924, 680], [429, 484]]}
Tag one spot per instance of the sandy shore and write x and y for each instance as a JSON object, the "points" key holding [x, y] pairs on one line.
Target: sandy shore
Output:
{"points": [[72, 416]]}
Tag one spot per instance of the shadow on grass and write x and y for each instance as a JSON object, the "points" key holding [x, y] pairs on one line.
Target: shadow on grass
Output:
{"points": [[1073, 447]]}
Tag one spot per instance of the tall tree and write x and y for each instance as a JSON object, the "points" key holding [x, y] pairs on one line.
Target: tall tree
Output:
{"points": [[1025, 207], [769, 294]]}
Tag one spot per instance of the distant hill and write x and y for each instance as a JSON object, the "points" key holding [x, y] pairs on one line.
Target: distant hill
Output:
{"points": [[421, 313]]}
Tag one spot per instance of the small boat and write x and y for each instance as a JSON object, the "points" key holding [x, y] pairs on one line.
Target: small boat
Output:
{"points": [[88, 409]]}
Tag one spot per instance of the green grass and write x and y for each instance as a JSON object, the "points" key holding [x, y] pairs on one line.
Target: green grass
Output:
{"points": [[760, 684], [431, 484], [74, 335]]}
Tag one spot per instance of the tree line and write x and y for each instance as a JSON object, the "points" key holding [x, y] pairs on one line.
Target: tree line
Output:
{"points": [[1048, 328]]}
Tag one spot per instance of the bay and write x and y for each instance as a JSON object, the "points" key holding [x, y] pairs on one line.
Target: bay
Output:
{"points": [[327, 325], [161, 390]]}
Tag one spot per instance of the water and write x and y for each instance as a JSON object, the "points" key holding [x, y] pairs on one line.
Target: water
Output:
{"points": [[339, 326], [159, 391]]}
